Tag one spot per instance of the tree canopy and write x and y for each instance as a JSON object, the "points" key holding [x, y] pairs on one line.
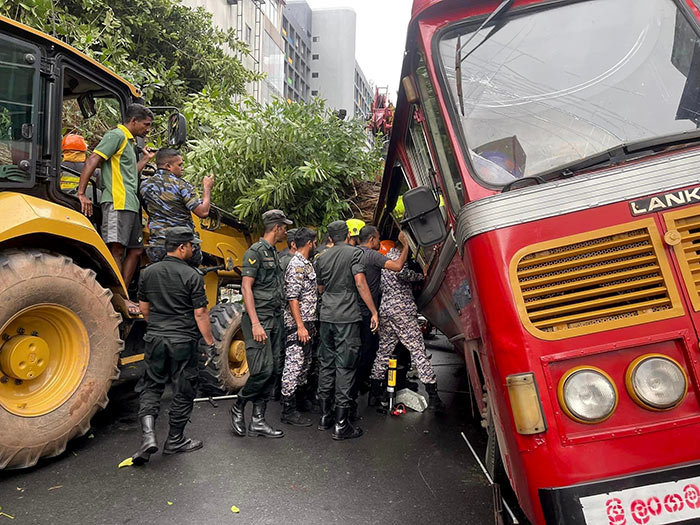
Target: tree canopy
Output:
{"points": [[298, 157], [167, 49]]}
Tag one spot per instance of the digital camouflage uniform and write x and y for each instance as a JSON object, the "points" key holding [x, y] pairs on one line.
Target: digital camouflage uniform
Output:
{"points": [[398, 321], [299, 284], [261, 262], [169, 201]]}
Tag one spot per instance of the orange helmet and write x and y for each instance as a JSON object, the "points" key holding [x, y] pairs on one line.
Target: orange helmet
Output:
{"points": [[73, 142], [385, 246]]}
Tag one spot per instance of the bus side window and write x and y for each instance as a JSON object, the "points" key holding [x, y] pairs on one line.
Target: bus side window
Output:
{"points": [[452, 179]]}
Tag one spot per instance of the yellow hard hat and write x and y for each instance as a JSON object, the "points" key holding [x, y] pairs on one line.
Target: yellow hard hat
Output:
{"points": [[354, 226]]}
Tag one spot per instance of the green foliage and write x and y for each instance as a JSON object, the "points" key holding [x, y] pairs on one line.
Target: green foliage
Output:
{"points": [[296, 157], [167, 49]]}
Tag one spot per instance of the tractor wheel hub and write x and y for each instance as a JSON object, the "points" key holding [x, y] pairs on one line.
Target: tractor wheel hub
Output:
{"points": [[24, 357]]}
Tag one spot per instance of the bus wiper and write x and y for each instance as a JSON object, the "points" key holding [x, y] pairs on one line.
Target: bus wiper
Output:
{"points": [[499, 11], [618, 154]]}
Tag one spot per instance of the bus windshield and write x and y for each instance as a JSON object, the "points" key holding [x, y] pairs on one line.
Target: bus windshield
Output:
{"points": [[547, 87]]}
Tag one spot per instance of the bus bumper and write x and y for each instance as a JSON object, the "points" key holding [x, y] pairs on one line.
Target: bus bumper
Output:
{"points": [[662, 496]]}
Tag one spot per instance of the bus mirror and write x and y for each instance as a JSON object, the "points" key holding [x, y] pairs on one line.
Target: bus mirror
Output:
{"points": [[86, 103], [177, 129], [423, 216]]}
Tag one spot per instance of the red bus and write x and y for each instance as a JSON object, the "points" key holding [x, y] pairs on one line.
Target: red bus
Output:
{"points": [[546, 157]]}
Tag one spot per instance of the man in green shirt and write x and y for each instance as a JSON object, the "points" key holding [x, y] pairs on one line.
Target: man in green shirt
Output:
{"points": [[340, 276], [121, 215], [262, 325]]}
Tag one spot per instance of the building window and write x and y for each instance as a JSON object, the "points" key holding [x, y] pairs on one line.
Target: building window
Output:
{"points": [[315, 39], [314, 57], [314, 92], [272, 11], [314, 75], [248, 35]]}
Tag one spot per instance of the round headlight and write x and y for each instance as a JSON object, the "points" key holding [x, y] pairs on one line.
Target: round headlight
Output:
{"points": [[587, 394], [656, 382]]}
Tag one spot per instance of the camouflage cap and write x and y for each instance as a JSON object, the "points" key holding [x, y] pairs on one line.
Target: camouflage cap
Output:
{"points": [[180, 235], [337, 228], [275, 217]]}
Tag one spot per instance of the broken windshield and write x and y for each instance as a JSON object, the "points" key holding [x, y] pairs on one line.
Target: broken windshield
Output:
{"points": [[555, 85]]}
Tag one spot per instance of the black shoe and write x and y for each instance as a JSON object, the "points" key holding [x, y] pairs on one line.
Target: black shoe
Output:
{"points": [[238, 416], [434, 401], [149, 445], [326, 421], [177, 442], [343, 429], [290, 416], [376, 392], [258, 426]]}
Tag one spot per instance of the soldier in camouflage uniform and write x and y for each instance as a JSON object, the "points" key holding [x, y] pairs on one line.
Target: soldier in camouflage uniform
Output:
{"points": [[398, 321], [300, 316], [170, 201]]}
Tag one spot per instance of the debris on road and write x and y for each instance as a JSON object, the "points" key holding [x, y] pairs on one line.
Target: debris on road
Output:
{"points": [[128, 462], [4, 515], [235, 509]]}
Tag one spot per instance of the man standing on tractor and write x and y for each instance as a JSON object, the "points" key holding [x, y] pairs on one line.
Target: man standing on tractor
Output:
{"points": [[173, 302], [262, 326], [121, 219], [170, 201]]}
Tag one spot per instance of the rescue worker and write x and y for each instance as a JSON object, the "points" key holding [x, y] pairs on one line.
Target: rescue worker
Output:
{"points": [[262, 326], [374, 262], [172, 300], [354, 227], [341, 277], [74, 150], [287, 254], [170, 201], [300, 316], [121, 211], [398, 317]]}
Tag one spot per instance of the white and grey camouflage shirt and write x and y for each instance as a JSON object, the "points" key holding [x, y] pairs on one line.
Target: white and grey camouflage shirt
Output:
{"points": [[300, 284], [397, 292]]}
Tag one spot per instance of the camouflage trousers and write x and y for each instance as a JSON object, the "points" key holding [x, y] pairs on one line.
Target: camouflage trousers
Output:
{"points": [[404, 328], [297, 360]]}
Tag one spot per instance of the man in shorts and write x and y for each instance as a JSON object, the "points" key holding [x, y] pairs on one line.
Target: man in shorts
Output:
{"points": [[121, 214]]}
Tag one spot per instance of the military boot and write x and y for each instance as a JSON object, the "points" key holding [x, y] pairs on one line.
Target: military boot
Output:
{"points": [[177, 442], [258, 426], [343, 429], [303, 402], [326, 421], [149, 445], [434, 401], [376, 393], [290, 416], [238, 416]]}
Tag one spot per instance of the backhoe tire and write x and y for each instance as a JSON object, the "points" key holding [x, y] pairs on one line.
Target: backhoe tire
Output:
{"points": [[230, 367], [58, 353]]}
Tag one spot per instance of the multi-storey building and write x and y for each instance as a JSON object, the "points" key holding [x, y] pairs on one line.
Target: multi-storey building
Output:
{"points": [[296, 31], [258, 23]]}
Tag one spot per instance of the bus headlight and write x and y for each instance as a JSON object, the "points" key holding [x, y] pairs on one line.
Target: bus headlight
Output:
{"points": [[587, 394], [656, 382]]}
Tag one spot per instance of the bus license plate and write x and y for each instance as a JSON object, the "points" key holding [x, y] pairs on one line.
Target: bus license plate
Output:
{"points": [[668, 502]]}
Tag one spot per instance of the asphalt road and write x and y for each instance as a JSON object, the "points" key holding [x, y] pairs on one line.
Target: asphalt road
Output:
{"points": [[414, 468]]}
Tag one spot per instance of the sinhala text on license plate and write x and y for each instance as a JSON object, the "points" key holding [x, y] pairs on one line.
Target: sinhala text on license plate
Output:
{"points": [[668, 502]]}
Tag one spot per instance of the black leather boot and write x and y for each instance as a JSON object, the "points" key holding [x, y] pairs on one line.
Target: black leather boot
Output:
{"points": [[258, 426], [290, 416], [238, 416], [375, 393], [149, 445], [326, 421], [434, 401], [303, 401], [343, 429], [353, 414], [177, 442]]}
